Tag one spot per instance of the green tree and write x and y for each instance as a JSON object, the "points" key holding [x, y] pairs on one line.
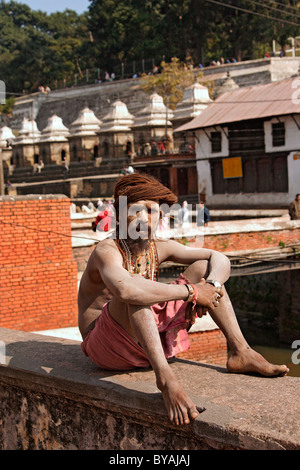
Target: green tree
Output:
{"points": [[170, 83], [37, 48], [127, 30]]}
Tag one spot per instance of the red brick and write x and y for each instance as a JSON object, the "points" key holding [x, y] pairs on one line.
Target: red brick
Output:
{"points": [[39, 287]]}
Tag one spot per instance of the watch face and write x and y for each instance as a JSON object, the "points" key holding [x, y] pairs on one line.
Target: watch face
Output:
{"points": [[215, 283]]}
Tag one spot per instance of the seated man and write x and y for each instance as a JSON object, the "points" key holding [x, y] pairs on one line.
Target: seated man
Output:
{"points": [[128, 320]]}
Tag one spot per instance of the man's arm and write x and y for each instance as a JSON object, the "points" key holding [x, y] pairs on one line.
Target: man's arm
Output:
{"points": [[218, 264], [133, 288]]}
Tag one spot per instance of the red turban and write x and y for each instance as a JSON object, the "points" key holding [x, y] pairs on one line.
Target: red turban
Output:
{"points": [[139, 187]]}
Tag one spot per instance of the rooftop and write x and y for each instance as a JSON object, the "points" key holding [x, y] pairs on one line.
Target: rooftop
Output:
{"points": [[260, 101]]}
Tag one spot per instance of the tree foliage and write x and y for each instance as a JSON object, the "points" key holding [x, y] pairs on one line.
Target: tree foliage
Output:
{"points": [[170, 82], [37, 48]]}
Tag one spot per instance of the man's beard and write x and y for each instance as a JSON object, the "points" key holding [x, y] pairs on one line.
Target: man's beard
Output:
{"points": [[138, 246], [140, 243]]}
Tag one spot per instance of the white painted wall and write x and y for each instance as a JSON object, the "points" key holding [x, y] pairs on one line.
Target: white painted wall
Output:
{"points": [[203, 144], [203, 154], [292, 134]]}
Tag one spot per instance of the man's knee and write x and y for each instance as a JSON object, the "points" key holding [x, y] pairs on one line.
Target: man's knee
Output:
{"points": [[197, 271]]}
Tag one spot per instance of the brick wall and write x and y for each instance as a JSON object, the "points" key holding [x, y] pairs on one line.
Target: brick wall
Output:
{"points": [[206, 346], [38, 277], [252, 240]]}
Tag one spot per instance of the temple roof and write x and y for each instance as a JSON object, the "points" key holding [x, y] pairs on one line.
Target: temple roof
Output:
{"points": [[118, 119], [245, 103], [228, 85], [29, 132], [6, 136], [55, 131], [195, 99], [154, 114], [86, 123]]}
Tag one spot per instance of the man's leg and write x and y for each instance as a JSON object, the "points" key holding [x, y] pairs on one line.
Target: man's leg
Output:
{"points": [[139, 322], [242, 359]]}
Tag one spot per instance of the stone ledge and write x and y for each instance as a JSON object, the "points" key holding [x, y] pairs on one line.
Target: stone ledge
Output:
{"points": [[32, 197], [242, 412]]}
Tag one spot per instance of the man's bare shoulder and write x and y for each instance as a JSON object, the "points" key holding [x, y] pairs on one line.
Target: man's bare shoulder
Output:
{"points": [[107, 247], [104, 254]]}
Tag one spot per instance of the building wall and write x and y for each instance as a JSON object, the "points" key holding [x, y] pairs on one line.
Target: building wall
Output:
{"points": [[38, 277], [276, 199], [207, 346]]}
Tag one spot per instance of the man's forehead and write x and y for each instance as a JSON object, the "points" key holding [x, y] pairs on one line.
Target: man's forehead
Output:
{"points": [[141, 203]]}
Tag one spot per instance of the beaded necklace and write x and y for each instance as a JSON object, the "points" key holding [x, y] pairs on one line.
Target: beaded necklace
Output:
{"points": [[133, 264]]}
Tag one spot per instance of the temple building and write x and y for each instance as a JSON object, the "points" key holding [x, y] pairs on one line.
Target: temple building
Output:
{"points": [[227, 86], [6, 140], [26, 144], [91, 147], [84, 137], [116, 136], [53, 142], [249, 152], [153, 128], [195, 100]]}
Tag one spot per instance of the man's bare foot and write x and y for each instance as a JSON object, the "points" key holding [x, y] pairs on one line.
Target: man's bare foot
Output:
{"points": [[180, 408], [250, 361]]}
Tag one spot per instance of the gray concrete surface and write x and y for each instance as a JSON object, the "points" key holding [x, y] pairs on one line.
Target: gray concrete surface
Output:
{"points": [[242, 412]]}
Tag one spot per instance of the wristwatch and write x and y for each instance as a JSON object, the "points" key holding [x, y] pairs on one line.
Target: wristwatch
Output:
{"points": [[214, 283]]}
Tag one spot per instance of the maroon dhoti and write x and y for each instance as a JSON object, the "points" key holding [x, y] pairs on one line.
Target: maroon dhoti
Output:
{"points": [[110, 347]]}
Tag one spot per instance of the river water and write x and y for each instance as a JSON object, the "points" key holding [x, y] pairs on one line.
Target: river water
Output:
{"points": [[286, 356], [265, 341]]}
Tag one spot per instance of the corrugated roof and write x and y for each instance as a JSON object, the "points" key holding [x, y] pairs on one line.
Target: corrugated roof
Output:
{"points": [[260, 101]]}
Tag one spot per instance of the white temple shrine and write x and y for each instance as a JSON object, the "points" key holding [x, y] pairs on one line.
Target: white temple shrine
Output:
{"points": [[116, 136], [53, 143], [83, 137], [26, 144]]}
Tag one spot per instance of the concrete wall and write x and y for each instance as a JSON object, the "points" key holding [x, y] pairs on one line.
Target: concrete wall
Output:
{"points": [[67, 103], [53, 398]]}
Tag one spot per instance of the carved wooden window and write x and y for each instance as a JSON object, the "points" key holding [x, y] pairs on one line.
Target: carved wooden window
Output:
{"points": [[216, 142], [278, 134]]}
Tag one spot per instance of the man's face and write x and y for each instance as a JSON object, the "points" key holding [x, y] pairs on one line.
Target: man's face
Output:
{"points": [[142, 219], [298, 197]]}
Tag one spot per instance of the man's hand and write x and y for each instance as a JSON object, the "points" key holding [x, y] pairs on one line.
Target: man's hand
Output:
{"points": [[208, 295], [192, 312], [208, 298]]}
